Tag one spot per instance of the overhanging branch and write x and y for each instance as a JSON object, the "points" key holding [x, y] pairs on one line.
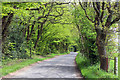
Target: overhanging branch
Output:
{"points": [[115, 20], [103, 4], [86, 12]]}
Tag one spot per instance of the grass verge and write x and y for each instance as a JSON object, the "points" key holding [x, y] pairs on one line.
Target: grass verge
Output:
{"points": [[91, 71], [16, 64]]}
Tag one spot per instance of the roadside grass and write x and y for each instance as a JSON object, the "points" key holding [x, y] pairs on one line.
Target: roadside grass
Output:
{"points": [[18, 64], [92, 71]]}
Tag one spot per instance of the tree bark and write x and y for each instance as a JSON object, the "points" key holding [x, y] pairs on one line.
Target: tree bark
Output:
{"points": [[103, 58], [100, 41], [30, 53], [5, 26], [115, 65], [28, 28], [38, 35]]}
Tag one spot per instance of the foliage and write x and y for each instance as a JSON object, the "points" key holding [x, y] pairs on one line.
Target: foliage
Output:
{"points": [[87, 35], [35, 29], [91, 71], [44, 28], [106, 15]]}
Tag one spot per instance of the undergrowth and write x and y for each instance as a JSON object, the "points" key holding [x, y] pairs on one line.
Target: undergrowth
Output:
{"points": [[18, 64], [91, 71]]}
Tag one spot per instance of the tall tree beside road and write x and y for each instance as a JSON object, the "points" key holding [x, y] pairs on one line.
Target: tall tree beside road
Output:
{"points": [[106, 14]]}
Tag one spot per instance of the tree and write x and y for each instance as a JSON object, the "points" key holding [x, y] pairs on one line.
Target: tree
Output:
{"points": [[35, 28], [87, 34], [105, 16]]}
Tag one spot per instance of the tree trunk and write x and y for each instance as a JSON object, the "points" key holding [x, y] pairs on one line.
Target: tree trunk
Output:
{"points": [[100, 41], [5, 26], [115, 65], [103, 58], [39, 34], [30, 53], [28, 33]]}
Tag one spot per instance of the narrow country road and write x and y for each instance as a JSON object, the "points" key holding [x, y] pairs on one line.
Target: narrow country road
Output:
{"points": [[59, 67]]}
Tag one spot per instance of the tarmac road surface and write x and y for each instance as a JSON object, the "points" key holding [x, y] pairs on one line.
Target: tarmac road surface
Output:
{"points": [[58, 67]]}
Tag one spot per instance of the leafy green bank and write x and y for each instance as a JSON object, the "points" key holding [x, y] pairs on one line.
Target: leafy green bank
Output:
{"points": [[92, 71]]}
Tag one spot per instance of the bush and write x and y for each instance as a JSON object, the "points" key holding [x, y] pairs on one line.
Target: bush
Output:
{"points": [[91, 71]]}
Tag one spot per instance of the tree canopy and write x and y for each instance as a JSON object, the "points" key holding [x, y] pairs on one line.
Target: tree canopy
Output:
{"points": [[42, 28]]}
